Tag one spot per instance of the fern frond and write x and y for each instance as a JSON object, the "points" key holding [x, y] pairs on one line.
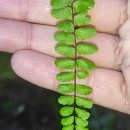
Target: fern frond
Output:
{"points": [[73, 14]]}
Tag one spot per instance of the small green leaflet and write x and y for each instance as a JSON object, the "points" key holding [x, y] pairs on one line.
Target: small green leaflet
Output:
{"points": [[82, 74], [84, 64], [57, 4], [67, 51], [66, 100], [65, 38], [81, 122], [66, 88], [89, 3], [65, 76], [82, 113], [66, 111], [81, 19], [65, 64], [86, 32], [80, 7], [88, 49], [81, 128], [63, 13], [83, 89], [66, 26], [85, 103], [67, 121], [70, 127]]}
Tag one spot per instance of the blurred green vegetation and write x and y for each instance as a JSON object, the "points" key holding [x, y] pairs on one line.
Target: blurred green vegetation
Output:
{"points": [[6, 72], [102, 121], [25, 106]]}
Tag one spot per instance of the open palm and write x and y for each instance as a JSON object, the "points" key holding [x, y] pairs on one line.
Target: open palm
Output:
{"points": [[27, 29]]}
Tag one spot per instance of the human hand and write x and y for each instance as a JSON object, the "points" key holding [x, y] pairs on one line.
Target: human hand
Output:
{"points": [[31, 40]]}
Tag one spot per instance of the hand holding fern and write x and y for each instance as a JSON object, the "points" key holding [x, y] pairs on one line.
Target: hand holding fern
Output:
{"points": [[35, 62]]}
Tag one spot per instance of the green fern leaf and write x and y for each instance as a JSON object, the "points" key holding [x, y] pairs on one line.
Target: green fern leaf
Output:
{"points": [[75, 13], [86, 49], [65, 76], [65, 50], [81, 19], [65, 63], [81, 128], [89, 3], [66, 88], [70, 127], [63, 13], [80, 122], [67, 121], [66, 100], [82, 113], [65, 38], [82, 74], [83, 89], [85, 64], [66, 111], [86, 32], [80, 7], [66, 26], [85, 103], [56, 4]]}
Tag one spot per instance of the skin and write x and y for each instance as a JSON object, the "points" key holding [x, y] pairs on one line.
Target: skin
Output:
{"points": [[27, 30]]}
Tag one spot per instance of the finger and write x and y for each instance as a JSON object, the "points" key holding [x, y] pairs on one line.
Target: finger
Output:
{"points": [[20, 35], [107, 15], [39, 69]]}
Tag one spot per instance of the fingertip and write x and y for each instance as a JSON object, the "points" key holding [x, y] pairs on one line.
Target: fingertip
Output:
{"points": [[35, 67], [15, 61]]}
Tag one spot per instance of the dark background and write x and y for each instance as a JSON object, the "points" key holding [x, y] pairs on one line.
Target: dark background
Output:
{"points": [[24, 106]]}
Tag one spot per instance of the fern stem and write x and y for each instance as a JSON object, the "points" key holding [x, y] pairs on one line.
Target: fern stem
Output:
{"points": [[75, 69]]}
